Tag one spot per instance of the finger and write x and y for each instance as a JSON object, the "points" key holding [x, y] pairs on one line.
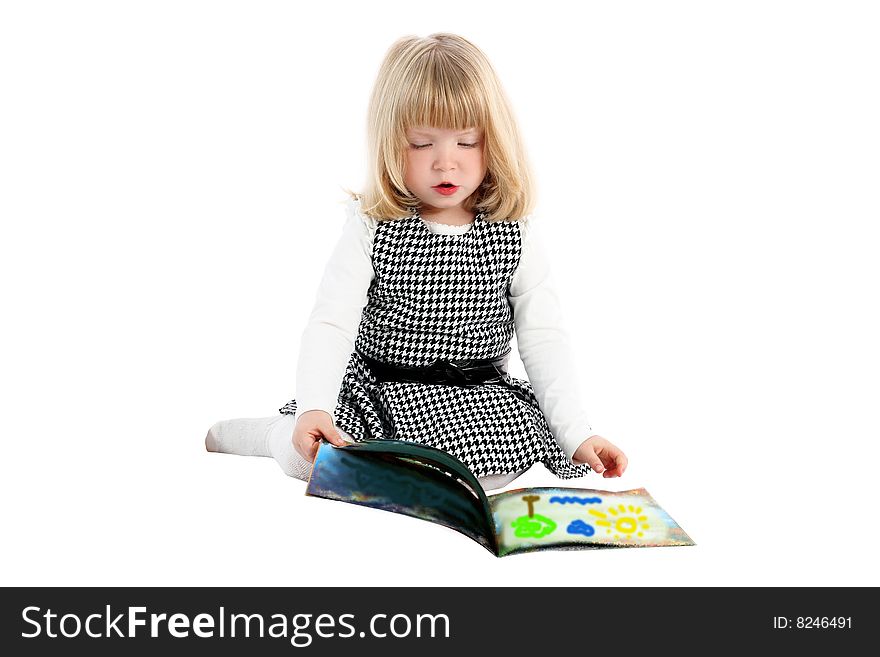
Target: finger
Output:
{"points": [[333, 436], [313, 450], [593, 460], [618, 466]]}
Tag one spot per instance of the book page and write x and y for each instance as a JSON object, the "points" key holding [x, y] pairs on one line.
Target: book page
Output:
{"points": [[402, 478], [530, 519]]}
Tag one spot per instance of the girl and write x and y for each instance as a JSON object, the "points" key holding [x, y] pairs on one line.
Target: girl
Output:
{"points": [[437, 264]]}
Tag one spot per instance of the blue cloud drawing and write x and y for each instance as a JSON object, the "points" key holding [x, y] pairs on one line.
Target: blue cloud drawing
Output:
{"points": [[580, 527]]}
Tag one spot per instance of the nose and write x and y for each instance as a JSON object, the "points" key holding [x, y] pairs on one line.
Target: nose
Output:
{"points": [[444, 159]]}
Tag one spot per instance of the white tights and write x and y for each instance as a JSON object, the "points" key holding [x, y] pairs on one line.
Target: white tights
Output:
{"points": [[272, 436]]}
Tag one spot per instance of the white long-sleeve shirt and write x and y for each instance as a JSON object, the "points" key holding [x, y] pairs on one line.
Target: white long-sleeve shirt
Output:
{"points": [[328, 339]]}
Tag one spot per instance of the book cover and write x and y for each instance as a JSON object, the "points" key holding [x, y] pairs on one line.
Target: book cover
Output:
{"points": [[430, 484]]}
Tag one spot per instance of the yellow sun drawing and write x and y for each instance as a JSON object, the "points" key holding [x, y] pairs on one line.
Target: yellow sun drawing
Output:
{"points": [[623, 519]]}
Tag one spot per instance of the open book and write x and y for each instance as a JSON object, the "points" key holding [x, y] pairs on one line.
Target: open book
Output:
{"points": [[432, 485]]}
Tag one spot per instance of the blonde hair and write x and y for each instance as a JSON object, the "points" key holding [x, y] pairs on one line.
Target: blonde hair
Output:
{"points": [[442, 81]]}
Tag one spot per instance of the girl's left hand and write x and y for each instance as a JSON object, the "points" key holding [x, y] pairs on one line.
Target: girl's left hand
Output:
{"points": [[602, 456]]}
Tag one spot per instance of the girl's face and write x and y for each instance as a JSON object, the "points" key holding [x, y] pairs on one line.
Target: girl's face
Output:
{"points": [[436, 156]]}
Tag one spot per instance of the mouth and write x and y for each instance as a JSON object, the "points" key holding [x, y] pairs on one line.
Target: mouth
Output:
{"points": [[446, 188]]}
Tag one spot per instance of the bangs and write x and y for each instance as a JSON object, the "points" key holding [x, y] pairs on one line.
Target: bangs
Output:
{"points": [[443, 95]]}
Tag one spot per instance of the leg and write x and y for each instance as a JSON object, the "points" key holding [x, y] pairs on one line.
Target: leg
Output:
{"points": [[273, 436], [267, 436]]}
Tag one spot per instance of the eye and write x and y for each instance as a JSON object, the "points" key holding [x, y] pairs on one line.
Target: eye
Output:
{"points": [[418, 146], [469, 145]]}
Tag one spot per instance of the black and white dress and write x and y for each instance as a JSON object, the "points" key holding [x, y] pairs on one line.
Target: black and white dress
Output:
{"points": [[434, 296]]}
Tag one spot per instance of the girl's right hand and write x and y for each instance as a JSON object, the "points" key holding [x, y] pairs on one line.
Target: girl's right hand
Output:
{"points": [[310, 427]]}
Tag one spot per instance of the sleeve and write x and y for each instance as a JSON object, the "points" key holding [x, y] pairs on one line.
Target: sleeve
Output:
{"points": [[328, 339], [544, 345]]}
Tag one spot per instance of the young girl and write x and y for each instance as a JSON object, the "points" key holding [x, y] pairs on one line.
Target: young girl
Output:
{"points": [[437, 265]]}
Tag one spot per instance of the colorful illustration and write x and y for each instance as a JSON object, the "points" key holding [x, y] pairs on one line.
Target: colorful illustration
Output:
{"points": [[432, 485], [533, 526], [580, 527], [575, 500], [602, 519], [623, 519]]}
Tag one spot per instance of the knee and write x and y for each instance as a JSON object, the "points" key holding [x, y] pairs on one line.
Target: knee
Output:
{"points": [[490, 482]]}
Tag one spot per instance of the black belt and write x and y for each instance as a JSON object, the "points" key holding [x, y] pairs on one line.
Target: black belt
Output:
{"points": [[445, 372]]}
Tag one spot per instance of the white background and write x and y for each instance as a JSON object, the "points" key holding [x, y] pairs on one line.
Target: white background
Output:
{"points": [[169, 178]]}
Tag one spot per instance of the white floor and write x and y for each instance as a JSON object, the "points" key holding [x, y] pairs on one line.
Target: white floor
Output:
{"points": [[188, 517]]}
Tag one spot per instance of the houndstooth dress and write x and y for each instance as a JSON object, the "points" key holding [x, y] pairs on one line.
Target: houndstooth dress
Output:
{"points": [[445, 296]]}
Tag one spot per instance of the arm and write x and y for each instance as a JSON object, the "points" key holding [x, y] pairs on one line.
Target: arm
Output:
{"points": [[545, 352], [328, 339], [544, 344]]}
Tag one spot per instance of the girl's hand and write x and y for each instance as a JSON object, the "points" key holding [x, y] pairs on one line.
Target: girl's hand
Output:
{"points": [[601, 455], [308, 431]]}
